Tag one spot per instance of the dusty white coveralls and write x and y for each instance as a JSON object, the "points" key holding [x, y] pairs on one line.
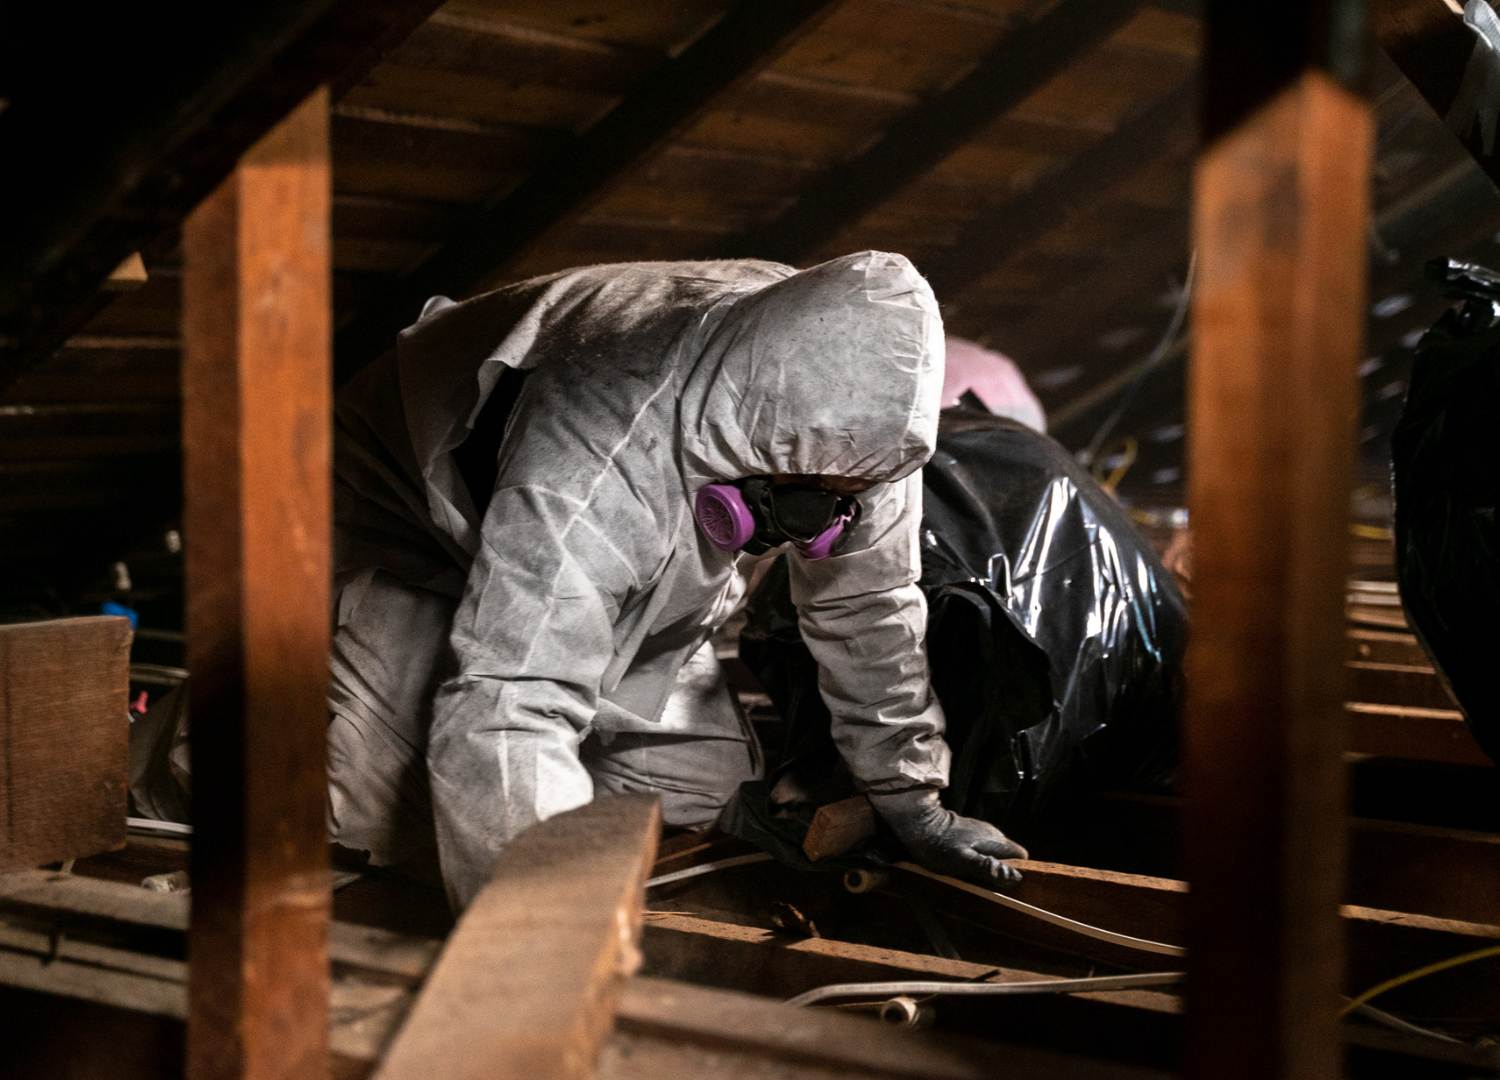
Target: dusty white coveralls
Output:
{"points": [[498, 664]]}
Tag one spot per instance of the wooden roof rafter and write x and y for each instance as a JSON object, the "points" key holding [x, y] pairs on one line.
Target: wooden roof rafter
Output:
{"points": [[1057, 195], [745, 40], [1020, 63]]}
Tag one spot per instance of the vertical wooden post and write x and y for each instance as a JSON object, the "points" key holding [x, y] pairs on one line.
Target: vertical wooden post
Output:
{"points": [[1280, 216], [256, 417]]}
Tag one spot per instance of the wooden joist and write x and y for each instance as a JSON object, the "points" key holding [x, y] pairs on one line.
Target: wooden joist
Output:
{"points": [[1381, 682], [101, 959], [526, 984], [1449, 873], [257, 415], [1414, 732], [64, 729], [1142, 1026], [719, 1025]]}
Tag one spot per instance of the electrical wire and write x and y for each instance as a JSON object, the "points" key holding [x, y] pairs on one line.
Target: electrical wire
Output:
{"points": [[1359, 1004], [166, 828], [707, 868], [1127, 941], [1129, 451], [1391, 1020], [1153, 360], [1094, 983], [1420, 973]]}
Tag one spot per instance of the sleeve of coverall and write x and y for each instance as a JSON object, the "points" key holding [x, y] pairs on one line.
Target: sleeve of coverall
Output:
{"points": [[864, 618], [531, 640]]}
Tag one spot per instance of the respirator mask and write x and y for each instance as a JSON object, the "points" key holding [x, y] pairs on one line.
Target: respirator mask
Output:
{"points": [[755, 515]]}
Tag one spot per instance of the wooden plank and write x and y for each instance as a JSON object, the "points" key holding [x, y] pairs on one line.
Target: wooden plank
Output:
{"points": [[1381, 682], [1415, 733], [1280, 222], [525, 986], [837, 827], [256, 434], [1384, 647], [748, 37], [732, 1033], [1381, 943], [1135, 1025], [1139, 1026], [63, 738], [1023, 61], [857, 1046], [1433, 870], [92, 900]]}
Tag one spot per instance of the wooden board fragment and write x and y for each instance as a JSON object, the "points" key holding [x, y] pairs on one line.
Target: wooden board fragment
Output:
{"points": [[839, 826], [64, 735], [525, 986], [129, 275]]}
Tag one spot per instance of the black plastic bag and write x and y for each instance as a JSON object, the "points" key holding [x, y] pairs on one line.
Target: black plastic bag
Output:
{"points": [[1055, 634], [1446, 472]]}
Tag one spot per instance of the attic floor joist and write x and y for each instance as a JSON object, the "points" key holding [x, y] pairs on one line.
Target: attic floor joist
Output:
{"points": [[121, 949]]}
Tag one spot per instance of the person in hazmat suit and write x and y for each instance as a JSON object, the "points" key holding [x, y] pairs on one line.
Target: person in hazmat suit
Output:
{"points": [[549, 497]]}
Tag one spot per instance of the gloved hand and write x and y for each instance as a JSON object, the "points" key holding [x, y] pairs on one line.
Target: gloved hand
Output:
{"points": [[946, 842]]}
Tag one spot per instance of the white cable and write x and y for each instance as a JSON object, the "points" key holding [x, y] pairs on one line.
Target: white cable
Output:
{"points": [[707, 868], [1127, 941], [1036, 986], [1390, 1020], [169, 828]]}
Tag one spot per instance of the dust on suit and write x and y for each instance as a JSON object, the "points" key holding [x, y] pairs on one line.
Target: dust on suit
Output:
{"points": [[507, 648]]}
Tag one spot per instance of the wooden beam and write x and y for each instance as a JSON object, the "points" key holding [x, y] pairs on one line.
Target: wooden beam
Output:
{"points": [[256, 423], [782, 1039], [1136, 1025], [1432, 870], [151, 129], [1280, 222], [745, 40], [1387, 683], [1139, 1026], [1023, 61], [1055, 197], [1381, 943], [101, 960], [1414, 733], [525, 986], [63, 738], [1429, 42]]}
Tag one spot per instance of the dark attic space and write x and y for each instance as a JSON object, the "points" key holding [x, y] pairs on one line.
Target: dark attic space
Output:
{"points": [[676, 539]]}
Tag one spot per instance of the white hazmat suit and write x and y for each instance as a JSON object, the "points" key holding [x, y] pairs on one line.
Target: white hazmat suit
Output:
{"points": [[552, 642]]}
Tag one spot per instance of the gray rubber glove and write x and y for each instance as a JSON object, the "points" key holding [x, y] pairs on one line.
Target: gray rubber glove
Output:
{"points": [[946, 842]]}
